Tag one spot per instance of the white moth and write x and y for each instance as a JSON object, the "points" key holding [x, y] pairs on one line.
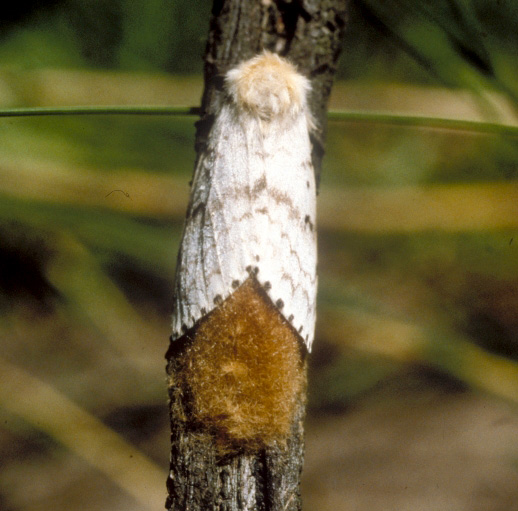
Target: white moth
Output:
{"points": [[252, 211]]}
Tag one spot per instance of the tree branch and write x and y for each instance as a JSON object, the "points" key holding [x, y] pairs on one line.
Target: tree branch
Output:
{"points": [[309, 33]]}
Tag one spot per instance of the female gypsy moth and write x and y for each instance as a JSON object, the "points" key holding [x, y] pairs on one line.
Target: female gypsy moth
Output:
{"points": [[246, 273], [253, 201]]}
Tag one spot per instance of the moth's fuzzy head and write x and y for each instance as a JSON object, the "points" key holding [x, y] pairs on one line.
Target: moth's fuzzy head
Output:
{"points": [[268, 86]]}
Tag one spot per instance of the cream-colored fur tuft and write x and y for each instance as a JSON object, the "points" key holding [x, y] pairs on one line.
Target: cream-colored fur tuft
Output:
{"points": [[268, 87]]}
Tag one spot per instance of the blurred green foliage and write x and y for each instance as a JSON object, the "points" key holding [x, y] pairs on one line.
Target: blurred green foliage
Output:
{"points": [[459, 43], [83, 272], [136, 35], [466, 43], [408, 156], [110, 142]]}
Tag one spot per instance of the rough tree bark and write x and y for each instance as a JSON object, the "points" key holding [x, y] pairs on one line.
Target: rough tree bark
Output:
{"points": [[309, 33]]}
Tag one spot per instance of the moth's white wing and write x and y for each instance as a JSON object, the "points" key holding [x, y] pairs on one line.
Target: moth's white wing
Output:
{"points": [[287, 238], [252, 212], [210, 262]]}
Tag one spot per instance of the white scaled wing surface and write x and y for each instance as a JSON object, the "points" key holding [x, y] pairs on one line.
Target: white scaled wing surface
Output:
{"points": [[252, 212]]}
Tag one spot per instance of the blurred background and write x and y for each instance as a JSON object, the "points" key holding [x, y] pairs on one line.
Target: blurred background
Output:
{"points": [[414, 376]]}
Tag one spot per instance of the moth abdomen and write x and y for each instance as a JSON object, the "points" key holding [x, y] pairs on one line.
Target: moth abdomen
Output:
{"points": [[243, 370]]}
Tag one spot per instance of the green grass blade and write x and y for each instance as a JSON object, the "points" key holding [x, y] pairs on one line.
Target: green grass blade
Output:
{"points": [[334, 115], [100, 110], [424, 122]]}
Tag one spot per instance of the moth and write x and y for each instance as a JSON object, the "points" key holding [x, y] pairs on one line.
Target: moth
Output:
{"points": [[252, 209]]}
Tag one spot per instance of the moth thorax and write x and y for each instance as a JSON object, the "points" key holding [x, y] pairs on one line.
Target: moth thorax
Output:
{"points": [[268, 87]]}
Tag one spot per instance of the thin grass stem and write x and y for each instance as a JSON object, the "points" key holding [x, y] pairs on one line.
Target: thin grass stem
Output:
{"points": [[335, 115]]}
